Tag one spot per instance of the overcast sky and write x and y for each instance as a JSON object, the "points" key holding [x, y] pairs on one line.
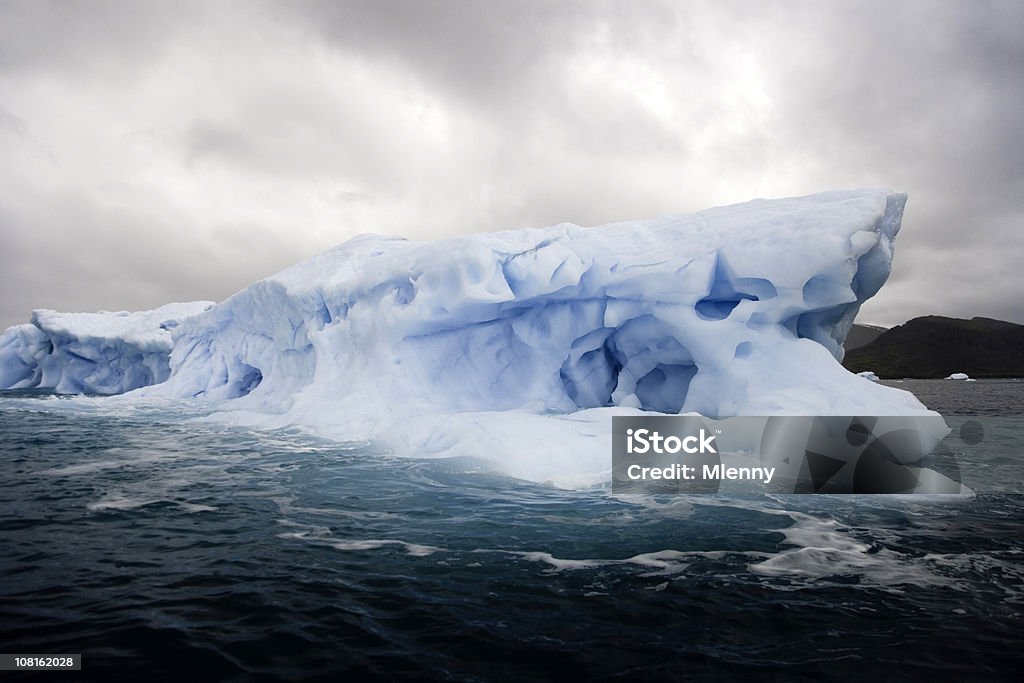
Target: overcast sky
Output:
{"points": [[170, 151]]}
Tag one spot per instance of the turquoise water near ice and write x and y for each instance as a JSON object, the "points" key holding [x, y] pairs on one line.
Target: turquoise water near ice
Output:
{"points": [[162, 547]]}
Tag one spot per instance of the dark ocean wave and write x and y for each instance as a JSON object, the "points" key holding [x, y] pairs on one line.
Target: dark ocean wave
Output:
{"points": [[162, 549]]}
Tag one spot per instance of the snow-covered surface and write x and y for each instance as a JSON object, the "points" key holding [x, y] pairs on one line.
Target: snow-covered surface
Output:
{"points": [[518, 346], [867, 374], [102, 353], [958, 375]]}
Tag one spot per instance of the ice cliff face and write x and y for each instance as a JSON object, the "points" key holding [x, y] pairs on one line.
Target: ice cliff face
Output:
{"points": [[101, 353], [728, 311], [475, 343]]}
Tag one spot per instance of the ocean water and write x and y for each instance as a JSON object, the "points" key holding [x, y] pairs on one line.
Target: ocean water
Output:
{"points": [[162, 547]]}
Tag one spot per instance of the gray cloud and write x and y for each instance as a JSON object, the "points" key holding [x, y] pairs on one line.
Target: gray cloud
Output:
{"points": [[163, 151]]}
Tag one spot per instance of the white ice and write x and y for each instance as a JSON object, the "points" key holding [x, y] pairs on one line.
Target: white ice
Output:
{"points": [[101, 353]]}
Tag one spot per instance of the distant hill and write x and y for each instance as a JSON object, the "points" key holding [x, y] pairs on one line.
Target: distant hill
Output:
{"points": [[936, 347], [861, 335]]}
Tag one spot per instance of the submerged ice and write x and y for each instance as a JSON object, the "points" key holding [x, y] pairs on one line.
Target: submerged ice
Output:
{"points": [[518, 342]]}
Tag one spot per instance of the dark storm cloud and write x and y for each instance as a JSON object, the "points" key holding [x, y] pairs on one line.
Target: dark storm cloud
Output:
{"points": [[163, 151], [927, 97], [932, 90], [92, 38], [483, 51]]}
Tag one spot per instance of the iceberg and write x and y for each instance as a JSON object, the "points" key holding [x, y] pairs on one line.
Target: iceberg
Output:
{"points": [[92, 353], [868, 374], [958, 375], [516, 346]]}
